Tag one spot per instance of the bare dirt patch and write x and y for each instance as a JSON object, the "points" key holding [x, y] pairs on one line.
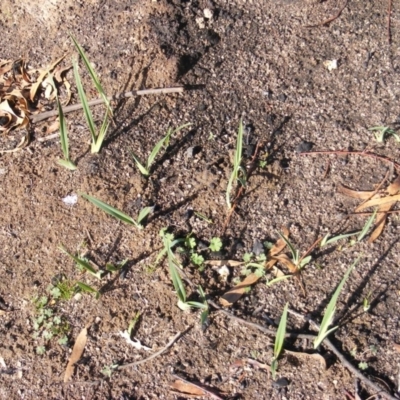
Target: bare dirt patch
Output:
{"points": [[256, 60]]}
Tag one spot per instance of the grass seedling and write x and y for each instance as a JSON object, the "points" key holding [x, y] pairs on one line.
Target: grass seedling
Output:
{"points": [[114, 212], [203, 217], [381, 131], [97, 138], [133, 323], [278, 279], [145, 169], [279, 340], [327, 240], [298, 261], [367, 226], [238, 172], [324, 332], [66, 162]]}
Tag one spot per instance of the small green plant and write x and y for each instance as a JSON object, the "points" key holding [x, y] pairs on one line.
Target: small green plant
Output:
{"points": [[330, 240], [66, 162], [133, 323], [215, 244], [197, 259], [367, 226], [114, 212], [238, 173], [367, 302], [330, 310], [363, 366], [278, 279], [381, 132], [108, 370], [145, 169], [174, 268], [279, 340], [257, 266], [203, 217], [298, 261]]}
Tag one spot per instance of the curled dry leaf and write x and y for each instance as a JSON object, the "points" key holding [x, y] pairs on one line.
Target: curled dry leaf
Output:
{"points": [[77, 352], [287, 262], [380, 221], [355, 194], [378, 202], [237, 292], [187, 388], [280, 243]]}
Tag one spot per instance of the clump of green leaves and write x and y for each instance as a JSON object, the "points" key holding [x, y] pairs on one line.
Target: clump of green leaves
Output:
{"points": [[324, 330], [279, 340], [145, 169], [381, 132], [97, 138], [238, 173], [215, 244], [174, 270], [254, 264], [114, 212], [47, 323]]}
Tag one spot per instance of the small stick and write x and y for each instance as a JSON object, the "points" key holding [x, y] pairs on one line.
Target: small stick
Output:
{"points": [[353, 153], [158, 353], [328, 21], [74, 107], [389, 36]]}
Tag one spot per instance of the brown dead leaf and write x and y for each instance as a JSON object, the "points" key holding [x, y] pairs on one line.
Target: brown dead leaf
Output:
{"points": [[380, 222], [378, 202], [394, 187], [355, 194], [42, 76], [77, 352], [313, 356], [187, 388], [270, 264], [287, 262], [280, 243], [234, 294]]}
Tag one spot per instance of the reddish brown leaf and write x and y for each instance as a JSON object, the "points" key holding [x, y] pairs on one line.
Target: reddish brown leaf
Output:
{"points": [[237, 292], [187, 388], [77, 352], [355, 194], [396, 347], [394, 187], [287, 262], [280, 243], [378, 202], [380, 222]]}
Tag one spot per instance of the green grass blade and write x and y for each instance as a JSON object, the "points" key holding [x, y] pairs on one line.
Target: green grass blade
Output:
{"points": [[63, 131], [330, 310], [93, 75], [280, 278], [177, 280], [82, 263], [86, 288], [289, 244], [144, 213], [280, 333], [85, 105], [142, 169], [367, 226], [67, 164], [114, 212], [325, 241], [97, 145], [156, 150], [239, 146]]}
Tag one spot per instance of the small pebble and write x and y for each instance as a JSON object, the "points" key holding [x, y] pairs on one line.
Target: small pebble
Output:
{"points": [[304, 147]]}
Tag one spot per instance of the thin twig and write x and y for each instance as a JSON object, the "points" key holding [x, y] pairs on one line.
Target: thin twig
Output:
{"points": [[158, 353], [353, 153], [389, 36], [75, 107], [328, 21], [325, 342]]}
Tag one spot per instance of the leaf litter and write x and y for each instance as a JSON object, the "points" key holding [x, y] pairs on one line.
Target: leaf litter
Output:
{"points": [[76, 355]]}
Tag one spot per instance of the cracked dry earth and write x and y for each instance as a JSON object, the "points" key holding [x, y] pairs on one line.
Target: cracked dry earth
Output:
{"points": [[258, 60]]}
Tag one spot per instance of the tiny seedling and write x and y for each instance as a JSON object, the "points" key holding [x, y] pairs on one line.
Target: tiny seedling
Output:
{"points": [[197, 259], [367, 302], [363, 366], [238, 172], [114, 212], [108, 370], [330, 310], [298, 261], [257, 267], [367, 226], [66, 162], [278, 279], [203, 217], [133, 323], [381, 132], [279, 340], [215, 244], [330, 240], [145, 169]]}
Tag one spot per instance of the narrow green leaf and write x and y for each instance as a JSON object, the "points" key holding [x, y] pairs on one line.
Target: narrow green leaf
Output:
{"points": [[114, 212], [156, 149], [97, 145], [93, 75], [280, 333], [330, 310], [144, 212], [142, 169], [367, 226], [291, 247], [67, 164], [325, 241], [276, 280], [63, 131], [85, 104], [86, 288]]}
